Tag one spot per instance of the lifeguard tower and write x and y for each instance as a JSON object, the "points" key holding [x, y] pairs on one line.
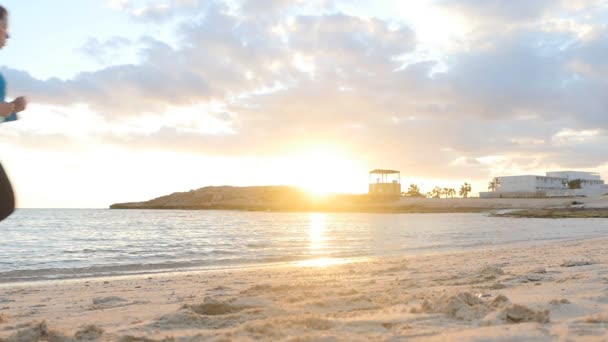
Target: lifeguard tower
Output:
{"points": [[385, 183]]}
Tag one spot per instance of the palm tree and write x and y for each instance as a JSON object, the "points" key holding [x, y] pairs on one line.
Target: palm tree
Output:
{"points": [[413, 191], [465, 189], [449, 192], [494, 184], [436, 192], [575, 184]]}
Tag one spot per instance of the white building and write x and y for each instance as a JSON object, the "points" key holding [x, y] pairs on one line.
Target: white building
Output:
{"points": [[554, 184], [591, 183]]}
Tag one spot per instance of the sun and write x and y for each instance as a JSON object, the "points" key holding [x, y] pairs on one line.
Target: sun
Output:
{"points": [[324, 170]]}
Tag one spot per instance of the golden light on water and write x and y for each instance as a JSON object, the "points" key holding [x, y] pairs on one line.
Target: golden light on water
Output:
{"points": [[317, 233], [318, 243]]}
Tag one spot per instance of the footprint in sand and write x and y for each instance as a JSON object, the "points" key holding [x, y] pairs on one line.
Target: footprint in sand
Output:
{"points": [[577, 263], [100, 303], [3, 318]]}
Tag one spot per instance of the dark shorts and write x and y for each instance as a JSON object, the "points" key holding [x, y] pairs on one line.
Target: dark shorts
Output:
{"points": [[7, 197]]}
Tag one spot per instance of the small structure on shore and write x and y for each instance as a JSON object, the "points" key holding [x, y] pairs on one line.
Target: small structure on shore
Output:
{"points": [[385, 183], [554, 184]]}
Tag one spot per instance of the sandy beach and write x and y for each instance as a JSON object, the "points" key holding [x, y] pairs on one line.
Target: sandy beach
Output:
{"points": [[551, 291]]}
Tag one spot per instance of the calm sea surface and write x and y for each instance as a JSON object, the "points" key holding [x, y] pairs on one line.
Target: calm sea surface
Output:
{"points": [[57, 243]]}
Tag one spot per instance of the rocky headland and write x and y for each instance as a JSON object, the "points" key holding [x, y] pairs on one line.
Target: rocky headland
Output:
{"points": [[288, 198]]}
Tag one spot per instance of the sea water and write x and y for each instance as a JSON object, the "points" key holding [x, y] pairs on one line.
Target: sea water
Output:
{"points": [[37, 244]]}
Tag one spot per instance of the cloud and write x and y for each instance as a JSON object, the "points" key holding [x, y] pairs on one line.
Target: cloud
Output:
{"points": [[296, 77], [159, 10], [118, 4], [501, 11], [107, 51], [221, 57]]}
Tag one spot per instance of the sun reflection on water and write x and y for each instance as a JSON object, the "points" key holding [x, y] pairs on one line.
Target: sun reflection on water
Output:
{"points": [[318, 244], [317, 233]]}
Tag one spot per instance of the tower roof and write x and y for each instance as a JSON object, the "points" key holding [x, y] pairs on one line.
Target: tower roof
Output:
{"points": [[384, 172]]}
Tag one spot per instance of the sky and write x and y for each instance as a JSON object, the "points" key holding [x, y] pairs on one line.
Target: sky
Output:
{"points": [[135, 99]]}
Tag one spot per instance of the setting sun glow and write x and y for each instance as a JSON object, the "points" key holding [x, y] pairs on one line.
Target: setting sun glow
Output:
{"points": [[322, 171]]}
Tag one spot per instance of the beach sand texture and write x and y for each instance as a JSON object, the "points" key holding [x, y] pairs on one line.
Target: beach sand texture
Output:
{"points": [[552, 291]]}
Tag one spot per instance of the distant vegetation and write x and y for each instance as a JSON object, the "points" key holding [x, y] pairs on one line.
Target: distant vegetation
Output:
{"points": [[435, 193], [575, 184], [413, 191], [494, 184], [451, 192], [465, 190]]}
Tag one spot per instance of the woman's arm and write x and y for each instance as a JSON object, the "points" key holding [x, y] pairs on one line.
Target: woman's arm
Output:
{"points": [[6, 108]]}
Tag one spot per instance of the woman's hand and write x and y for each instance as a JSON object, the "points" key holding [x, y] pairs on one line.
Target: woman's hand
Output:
{"points": [[7, 108], [20, 104]]}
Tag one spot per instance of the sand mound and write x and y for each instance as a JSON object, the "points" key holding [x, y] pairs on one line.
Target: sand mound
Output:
{"points": [[89, 333], [538, 270], [533, 277], [108, 300], [181, 319], [491, 272], [559, 301], [488, 273], [37, 331], [570, 263], [597, 319], [499, 301], [101, 303], [463, 306], [211, 307], [519, 313], [210, 314]]}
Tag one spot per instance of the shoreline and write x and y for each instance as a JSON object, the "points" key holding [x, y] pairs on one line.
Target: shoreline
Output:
{"points": [[526, 207], [498, 212], [72, 275], [319, 209], [556, 213], [541, 291]]}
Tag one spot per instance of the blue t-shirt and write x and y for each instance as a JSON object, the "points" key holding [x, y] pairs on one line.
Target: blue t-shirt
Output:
{"points": [[13, 116]]}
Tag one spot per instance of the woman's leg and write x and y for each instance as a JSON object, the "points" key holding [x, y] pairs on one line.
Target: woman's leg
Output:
{"points": [[7, 197]]}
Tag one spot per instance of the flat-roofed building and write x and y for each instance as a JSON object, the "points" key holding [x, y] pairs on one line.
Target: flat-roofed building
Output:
{"points": [[554, 184]]}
